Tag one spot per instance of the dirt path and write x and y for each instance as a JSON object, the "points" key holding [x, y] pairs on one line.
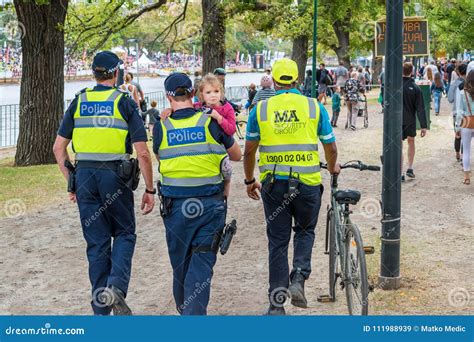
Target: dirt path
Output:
{"points": [[44, 267]]}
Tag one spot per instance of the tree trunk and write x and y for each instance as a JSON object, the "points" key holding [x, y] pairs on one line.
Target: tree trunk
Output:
{"points": [[300, 55], [42, 82], [213, 35], [342, 50]]}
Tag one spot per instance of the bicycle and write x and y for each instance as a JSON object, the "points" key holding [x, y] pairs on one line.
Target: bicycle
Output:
{"points": [[343, 239], [241, 126]]}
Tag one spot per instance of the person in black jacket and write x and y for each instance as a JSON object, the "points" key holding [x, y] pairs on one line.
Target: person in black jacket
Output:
{"points": [[413, 106]]}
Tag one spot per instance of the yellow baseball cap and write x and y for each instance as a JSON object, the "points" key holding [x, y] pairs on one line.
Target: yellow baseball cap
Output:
{"points": [[285, 71]]}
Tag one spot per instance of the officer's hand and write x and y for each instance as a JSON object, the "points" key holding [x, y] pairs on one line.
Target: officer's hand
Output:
{"points": [[253, 190], [72, 197], [337, 169], [165, 114], [148, 202], [423, 132]]}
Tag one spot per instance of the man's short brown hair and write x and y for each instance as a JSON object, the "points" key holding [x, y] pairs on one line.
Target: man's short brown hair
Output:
{"points": [[407, 69], [182, 98]]}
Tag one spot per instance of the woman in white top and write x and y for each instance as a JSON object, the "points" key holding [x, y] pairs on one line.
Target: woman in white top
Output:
{"points": [[129, 88], [464, 122]]}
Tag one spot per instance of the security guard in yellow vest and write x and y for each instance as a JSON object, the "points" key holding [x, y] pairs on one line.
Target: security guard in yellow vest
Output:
{"points": [[191, 146], [286, 129], [103, 124]]}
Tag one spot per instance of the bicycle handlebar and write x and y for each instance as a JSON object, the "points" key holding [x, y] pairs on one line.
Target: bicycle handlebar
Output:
{"points": [[355, 164]]}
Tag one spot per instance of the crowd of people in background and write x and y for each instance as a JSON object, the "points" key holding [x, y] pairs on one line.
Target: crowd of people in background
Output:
{"points": [[348, 86], [10, 60]]}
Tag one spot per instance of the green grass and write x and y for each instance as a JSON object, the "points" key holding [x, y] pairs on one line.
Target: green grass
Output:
{"points": [[24, 189]]}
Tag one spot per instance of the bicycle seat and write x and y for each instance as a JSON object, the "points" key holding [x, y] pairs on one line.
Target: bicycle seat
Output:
{"points": [[347, 196]]}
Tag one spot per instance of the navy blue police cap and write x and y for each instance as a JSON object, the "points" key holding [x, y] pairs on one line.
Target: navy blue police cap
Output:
{"points": [[105, 62], [178, 84]]}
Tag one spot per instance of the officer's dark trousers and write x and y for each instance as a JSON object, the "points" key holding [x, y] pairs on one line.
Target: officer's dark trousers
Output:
{"points": [[193, 222], [280, 213], [108, 224]]}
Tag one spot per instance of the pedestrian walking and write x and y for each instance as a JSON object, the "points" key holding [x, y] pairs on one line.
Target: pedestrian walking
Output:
{"points": [[465, 123], [190, 146], [286, 130], [336, 106], [352, 88], [413, 106], [437, 91], [103, 123]]}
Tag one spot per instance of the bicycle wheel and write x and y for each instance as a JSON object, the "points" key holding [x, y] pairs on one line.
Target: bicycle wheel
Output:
{"points": [[241, 129], [332, 250], [356, 279]]}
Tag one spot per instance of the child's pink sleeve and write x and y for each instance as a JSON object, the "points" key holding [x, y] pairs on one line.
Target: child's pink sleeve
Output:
{"points": [[228, 118], [197, 105]]}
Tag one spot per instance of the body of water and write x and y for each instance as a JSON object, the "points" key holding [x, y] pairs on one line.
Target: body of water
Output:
{"points": [[10, 94]]}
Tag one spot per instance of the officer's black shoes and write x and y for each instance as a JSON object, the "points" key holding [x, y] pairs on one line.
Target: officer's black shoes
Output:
{"points": [[112, 296], [275, 310], [297, 291]]}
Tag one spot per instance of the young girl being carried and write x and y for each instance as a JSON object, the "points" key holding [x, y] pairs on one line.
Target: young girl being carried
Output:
{"points": [[212, 102]]}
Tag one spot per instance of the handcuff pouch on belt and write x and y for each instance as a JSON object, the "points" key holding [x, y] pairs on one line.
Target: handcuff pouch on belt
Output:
{"points": [[166, 203], [71, 181], [269, 181], [129, 172]]}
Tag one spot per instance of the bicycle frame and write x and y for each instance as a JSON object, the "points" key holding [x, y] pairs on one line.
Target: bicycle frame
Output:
{"points": [[342, 216]]}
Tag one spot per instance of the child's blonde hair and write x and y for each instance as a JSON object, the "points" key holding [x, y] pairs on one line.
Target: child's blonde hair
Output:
{"points": [[212, 80], [153, 103]]}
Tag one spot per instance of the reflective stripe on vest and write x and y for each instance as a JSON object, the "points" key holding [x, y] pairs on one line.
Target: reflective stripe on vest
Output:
{"points": [[102, 156], [100, 122], [191, 151], [190, 181], [286, 168], [264, 109], [288, 148]]}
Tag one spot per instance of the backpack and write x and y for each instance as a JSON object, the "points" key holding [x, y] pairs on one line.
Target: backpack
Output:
{"points": [[326, 78]]}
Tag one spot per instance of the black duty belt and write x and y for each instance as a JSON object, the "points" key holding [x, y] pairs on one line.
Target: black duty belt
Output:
{"points": [[108, 165]]}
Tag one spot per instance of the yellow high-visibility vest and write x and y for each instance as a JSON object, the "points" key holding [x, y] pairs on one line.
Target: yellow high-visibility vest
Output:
{"points": [[189, 155], [288, 137], [100, 130]]}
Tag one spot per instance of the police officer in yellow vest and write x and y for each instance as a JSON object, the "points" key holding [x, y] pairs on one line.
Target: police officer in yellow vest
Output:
{"points": [[191, 146], [103, 124], [286, 129]]}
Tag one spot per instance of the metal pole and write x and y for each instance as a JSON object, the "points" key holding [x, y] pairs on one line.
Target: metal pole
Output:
{"points": [[392, 148], [315, 43], [138, 68]]}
